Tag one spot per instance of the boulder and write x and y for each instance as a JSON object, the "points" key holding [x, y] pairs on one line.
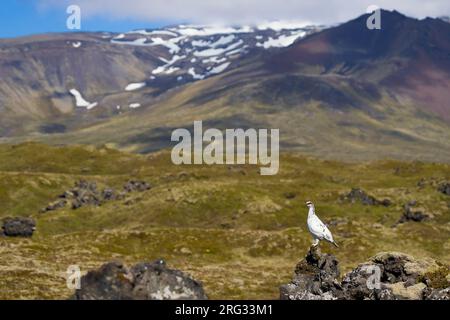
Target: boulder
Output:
{"points": [[54, 206], [134, 185], [143, 281], [18, 227], [314, 279], [359, 195], [400, 277], [386, 276], [109, 194], [445, 188], [413, 213], [86, 193], [437, 294]]}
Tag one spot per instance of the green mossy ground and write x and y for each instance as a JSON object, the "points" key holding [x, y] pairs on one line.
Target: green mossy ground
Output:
{"points": [[238, 232]]}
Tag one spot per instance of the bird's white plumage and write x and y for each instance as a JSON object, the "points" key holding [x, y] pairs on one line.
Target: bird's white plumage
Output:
{"points": [[317, 228]]}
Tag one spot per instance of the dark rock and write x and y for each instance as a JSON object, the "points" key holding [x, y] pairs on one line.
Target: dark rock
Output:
{"points": [[411, 213], [144, 281], [437, 294], [133, 185], [18, 227], [359, 195], [54, 206], [386, 276], [355, 284], [85, 197], [108, 194], [289, 195], [314, 279], [86, 193], [445, 188], [86, 185], [421, 183]]}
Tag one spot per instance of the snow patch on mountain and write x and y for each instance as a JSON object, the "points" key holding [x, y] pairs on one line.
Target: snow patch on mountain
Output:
{"points": [[282, 41], [219, 69], [215, 52], [191, 53], [135, 86], [170, 44], [281, 25], [194, 75], [209, 30], [168, 64], [80, 101]]}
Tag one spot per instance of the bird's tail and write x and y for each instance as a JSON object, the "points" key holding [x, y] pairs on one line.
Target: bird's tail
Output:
{"points": [[335, 244]]}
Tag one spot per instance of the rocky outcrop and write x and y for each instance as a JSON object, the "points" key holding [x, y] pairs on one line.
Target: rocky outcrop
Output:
{"points": [[315, 278], [386, 276], [438, 294], [359, 195], [413, 213], [144, 281], [86, 193], [18, 227]]}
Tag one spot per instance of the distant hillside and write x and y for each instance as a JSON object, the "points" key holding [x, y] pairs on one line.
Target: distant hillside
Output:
{"points": [[344, 92]]}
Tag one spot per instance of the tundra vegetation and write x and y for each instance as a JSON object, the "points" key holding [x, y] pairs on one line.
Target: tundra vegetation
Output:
{"points": [[236, 231]]}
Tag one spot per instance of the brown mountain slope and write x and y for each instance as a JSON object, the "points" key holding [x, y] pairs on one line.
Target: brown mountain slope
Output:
{"points": [[346, 92], [409, 57]]}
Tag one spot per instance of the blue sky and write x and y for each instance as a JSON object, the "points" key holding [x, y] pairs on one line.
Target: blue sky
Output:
{"points": [[23, 17]]}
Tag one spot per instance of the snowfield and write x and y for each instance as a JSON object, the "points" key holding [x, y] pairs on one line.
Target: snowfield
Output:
{"points": [[197, 52], [135, 86], [80, 101]]}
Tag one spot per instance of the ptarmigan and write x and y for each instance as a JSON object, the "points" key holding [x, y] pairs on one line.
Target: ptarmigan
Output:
{"points": [[317, 228]]}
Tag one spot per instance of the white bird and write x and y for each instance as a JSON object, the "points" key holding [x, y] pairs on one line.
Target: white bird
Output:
{"points": [[317, 228]]}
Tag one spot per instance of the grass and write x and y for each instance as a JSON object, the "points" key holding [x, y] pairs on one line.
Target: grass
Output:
{"points": [[239, 233]]}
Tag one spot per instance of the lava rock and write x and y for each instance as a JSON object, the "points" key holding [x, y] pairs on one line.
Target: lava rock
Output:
{"points": [[134, 185], [359, 195], [86, 185], [86, 193], [143, 281], [412, 213], [386, 276], [54, 206], [314, 279], [108, 194], [18, 227], [437, 294], [445, 188]]}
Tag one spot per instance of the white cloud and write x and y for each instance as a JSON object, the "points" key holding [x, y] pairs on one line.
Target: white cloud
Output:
{"points": [[248, 11]]}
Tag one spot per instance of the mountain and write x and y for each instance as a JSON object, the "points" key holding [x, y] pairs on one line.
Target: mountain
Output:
{"points": [[52, 78], [343, 92], [408, 56]]}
